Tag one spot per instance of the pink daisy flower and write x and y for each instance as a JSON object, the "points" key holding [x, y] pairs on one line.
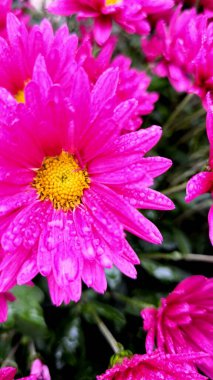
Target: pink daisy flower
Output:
{"points": [[70, 184], [133, 83], [173, 48], [184, 321], [202, 183], [39, 370], [203, 63], [5, 8], [131, 15], [4, 298], [157, 366], [21, 48], [8, 373]]}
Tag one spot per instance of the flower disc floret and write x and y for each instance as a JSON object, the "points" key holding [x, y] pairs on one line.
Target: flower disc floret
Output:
{"points": [[61, 180], [112, 2]]}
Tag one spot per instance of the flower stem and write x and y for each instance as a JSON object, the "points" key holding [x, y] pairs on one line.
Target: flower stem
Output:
{"points": [[177, 256], [175, 189], [107, 334], [177, 111]]}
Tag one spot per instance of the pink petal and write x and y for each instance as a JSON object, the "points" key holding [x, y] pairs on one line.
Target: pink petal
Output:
{"points": [[210, 219], [199, 184], [102, 29]]}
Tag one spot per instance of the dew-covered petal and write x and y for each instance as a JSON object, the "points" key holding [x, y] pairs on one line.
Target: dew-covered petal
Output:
{"points": [[210, 220], [131, 219], [28, 270], [199, 184], [24, 230], [148, 199]]}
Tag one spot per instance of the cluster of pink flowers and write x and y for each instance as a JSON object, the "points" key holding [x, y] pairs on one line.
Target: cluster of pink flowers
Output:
{"points": [[181, 49]]}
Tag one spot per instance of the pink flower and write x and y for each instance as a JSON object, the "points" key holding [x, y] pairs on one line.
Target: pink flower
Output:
{"points": [[4, 298], [184, 321], [39, 370], [203, 62], [202, 183], [5, 8], [157, 366], [131, 15], [70, 184], [173, 48], [132, 82], [8, 373], [22, 47]]}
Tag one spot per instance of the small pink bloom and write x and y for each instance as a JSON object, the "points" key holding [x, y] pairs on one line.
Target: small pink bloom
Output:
{"points": [[131, 15], [7, 373], [4, 298], [132, 82], [70, 186], [5, 8], [182, 51], [202, 183], [184, 321], [39, 370], [156, 366], [21, 48]]}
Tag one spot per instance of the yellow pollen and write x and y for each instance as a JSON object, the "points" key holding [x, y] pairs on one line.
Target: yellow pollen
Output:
{"points": [[20, 96], [112, 2], [61, 180]]}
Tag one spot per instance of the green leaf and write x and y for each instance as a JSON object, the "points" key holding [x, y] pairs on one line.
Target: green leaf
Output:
{"points": [[107, 311], [164, 273], [26, 312]]}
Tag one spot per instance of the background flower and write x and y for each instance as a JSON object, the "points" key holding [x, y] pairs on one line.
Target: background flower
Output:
{"points": [[184, 321], [130, 15], [155, 366]]}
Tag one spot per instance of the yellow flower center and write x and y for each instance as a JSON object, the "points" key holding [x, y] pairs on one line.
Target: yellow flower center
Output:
{"points": [[61, 180], [20, 96], [112, 2]]}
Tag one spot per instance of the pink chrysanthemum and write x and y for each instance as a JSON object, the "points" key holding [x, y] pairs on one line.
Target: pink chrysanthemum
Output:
{"points": [[174, 47], [39, 370], [22, 47], [4, 298], [184, 321], [131, 15], [202, 183], [132, 82], [8, 373], [70, 184], [157, 366], [5, 8]]}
